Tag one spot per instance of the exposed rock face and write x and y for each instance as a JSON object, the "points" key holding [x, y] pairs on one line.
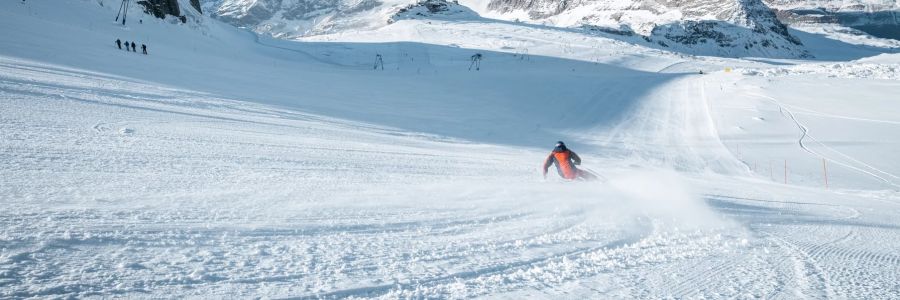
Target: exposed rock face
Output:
{"points": [[196, 5], [162, 8], [435, 9]]}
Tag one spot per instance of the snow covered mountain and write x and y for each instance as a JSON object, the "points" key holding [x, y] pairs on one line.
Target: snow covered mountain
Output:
{"points": [[294, 18], [434, 9], [729, 28], [297, 18], [836, 5], [877, 18], [723, 28], [163, 8]]}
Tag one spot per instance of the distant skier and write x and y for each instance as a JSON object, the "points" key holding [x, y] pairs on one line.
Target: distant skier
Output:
{"points": [[476, 61], [133, 47], [119, 43], [379, 62], [565, 161], [144, 48]]}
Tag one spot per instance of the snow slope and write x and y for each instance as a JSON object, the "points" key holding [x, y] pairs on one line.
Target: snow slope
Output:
{"points": [[229, 165]]}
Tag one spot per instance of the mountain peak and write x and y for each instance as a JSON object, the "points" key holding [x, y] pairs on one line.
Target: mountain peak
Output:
{"points": [[439, 9], [723, 28], [731, 28]]}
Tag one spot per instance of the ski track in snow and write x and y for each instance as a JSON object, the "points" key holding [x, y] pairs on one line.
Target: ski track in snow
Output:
{"points": [[850, 162], [115, 187], [824, 261], [474, 244]]}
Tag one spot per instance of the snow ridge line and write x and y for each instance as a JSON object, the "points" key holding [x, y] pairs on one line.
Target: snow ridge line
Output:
{"points": [[805, 133]]}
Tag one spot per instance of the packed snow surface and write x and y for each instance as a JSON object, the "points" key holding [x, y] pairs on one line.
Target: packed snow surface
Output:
{"points": [[835, 70], [228, 165]]}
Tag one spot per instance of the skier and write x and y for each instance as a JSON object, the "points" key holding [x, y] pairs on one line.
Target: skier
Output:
{"points": [[565, 161], [379, 62], [119, 43], [144, 48], [476, 62], [133, 47]]}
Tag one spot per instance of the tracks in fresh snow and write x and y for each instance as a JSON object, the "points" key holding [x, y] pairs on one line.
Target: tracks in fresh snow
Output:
{"points": [[808, 276], [819, 250], [211, 197], [841, 158], [672, 128]]}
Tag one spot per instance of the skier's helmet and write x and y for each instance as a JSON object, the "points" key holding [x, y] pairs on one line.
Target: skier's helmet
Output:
{"points": [[560, 144]]}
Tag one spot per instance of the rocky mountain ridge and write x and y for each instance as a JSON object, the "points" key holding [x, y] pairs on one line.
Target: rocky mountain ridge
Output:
{"points": [[163, 8], [876, 18], [721, 28]]}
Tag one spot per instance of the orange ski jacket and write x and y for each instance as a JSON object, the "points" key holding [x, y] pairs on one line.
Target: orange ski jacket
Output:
{"points": [[565, 161]]}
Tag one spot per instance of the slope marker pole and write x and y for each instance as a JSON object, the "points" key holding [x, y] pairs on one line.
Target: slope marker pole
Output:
{"points": [[825, 173], [785, 171]]}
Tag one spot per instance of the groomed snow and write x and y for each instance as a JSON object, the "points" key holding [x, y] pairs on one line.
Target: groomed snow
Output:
{"points": [[229, 165]]}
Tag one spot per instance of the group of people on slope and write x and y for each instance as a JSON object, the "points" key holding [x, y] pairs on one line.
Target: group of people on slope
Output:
{"points": [[132, 45]]}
